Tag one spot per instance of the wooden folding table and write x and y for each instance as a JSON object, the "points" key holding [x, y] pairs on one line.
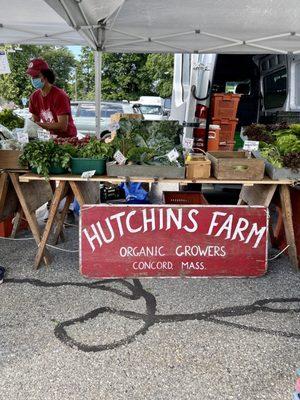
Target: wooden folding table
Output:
{"points": [[258, 192]]}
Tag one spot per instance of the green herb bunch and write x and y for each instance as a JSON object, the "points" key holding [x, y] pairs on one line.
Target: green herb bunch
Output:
{"points": [[42, 155], [95, 149], [10, 120]]}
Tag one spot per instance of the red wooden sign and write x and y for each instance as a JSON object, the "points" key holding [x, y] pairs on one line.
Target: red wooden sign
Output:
{"points": [[164, 241]]}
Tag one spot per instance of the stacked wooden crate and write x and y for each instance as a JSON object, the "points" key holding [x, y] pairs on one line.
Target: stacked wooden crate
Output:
{"points": [[224, 109]]}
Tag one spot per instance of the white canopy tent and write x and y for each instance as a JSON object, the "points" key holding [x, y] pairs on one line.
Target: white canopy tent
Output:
{"points": [[202, 26]]}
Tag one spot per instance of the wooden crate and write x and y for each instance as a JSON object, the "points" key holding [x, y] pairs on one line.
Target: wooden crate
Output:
{"points": [[117, 116], [235, 165], [198, 168], [9, 159]]}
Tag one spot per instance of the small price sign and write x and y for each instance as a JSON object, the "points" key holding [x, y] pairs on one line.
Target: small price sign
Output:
{"points": [[119, 157], [187, 143], [44, 136], [250, 145], [173, 155], [22, 137]]}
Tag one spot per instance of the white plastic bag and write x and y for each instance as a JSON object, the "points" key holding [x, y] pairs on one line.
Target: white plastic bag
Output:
{"points": [[31, 128]]}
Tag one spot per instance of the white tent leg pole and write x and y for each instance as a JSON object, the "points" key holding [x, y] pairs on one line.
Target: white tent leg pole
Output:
{"points": [[98, 68]]}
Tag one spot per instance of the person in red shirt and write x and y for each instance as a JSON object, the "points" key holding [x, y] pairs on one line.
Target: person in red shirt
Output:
{"points": [[48, 104]]}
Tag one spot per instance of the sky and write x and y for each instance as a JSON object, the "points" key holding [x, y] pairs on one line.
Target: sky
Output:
{"points": [[75, 50]]}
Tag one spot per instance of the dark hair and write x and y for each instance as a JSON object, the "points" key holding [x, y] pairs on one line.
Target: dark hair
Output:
{"points": [[49, 74]]}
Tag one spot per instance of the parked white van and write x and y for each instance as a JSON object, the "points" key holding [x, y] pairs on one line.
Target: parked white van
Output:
{"points": [[270, 85], [152, 107]]}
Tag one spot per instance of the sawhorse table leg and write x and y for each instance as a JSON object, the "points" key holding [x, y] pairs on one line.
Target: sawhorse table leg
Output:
{"points": [[262, 195], [60, 192], [29, 214]]}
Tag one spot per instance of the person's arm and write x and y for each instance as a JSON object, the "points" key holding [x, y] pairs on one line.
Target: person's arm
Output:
{"points": [[35, 118], [60, 125]]}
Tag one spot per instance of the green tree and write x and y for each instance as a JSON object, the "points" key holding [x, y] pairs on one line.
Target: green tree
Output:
{"points": [[160, 69], [85, 75], [125, 76], [62, 61], [17, 84]]}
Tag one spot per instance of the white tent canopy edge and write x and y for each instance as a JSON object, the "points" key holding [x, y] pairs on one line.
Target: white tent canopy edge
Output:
{"points": [[190, 26]]}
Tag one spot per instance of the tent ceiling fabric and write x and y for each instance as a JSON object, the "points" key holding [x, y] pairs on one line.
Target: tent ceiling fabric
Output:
{"points": [[34, 22], [204, 26]]}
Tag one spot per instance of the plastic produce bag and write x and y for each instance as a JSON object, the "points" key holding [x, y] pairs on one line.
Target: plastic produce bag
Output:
{"points": [[31, 128], [134, 193], [5, 133]]}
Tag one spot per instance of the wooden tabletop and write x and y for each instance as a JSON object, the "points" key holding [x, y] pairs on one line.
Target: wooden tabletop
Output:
{"points": [[104, 178]]}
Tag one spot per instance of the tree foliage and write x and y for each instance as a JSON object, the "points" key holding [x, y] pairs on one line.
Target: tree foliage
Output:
{"points": [[124, 76], [17, 84]]}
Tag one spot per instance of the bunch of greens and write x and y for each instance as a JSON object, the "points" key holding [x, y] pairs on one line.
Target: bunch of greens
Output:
{"points": [[149, 142], [10, 120], [288, 143], [43, 155], [292, 161], [259, 132], [271, 153], [94, 149], [279, 143]]}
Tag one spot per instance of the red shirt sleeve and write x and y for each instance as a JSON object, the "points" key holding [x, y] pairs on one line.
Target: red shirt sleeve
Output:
{"points": [[32, 108], [62, 104]]}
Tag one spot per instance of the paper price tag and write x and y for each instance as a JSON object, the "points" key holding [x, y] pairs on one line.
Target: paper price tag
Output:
{"points": [[44, 136], [119, 157], [173, 155], [88, 174], [187, 143], [22, 137], [250, 145], [4, 65]]}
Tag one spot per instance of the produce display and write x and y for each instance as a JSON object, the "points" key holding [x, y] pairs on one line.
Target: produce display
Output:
{"points": [[149, 142], [58, 153], [278, 143]]}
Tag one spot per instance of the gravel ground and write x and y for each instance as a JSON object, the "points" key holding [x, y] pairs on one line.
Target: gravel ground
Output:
{"points": [[66, 337]]}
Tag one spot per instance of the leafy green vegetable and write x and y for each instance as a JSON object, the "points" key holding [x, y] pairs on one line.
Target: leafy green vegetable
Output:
{"points": [[288, 143], [292, 160], [95, 149], [43, 155], [10, 120], [271, 153], [148, 142]]}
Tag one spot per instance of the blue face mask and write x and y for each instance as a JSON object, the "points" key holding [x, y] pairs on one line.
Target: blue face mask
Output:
{"points": [[37, 83]]}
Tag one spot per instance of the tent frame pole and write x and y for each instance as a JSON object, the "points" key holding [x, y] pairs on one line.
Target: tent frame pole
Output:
{"points": [[98, 69]]}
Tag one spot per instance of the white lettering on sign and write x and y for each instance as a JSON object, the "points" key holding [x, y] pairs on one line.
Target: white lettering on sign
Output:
{"points": [[250, 145], [196, 250], [151, 221], [152, 251], [154, 265], [197, 265], [222, 224], [232, 233]]}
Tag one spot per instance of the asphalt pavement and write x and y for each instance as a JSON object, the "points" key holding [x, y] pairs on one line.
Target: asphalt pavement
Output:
{"points": [[66, 337]]}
